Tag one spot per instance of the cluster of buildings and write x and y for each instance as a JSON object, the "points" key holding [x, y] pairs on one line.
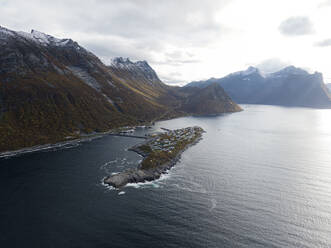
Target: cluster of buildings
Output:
{"points": [[168, 141]]}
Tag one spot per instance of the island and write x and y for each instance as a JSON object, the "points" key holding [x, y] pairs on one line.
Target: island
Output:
{"points": [[161, 151]]}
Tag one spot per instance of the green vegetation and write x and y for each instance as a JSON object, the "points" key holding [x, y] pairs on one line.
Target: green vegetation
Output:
{"points": [[52, 93], [165, 147], [35, 112]]}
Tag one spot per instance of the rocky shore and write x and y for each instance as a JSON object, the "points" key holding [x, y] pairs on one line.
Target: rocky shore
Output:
{"points": [[160, 152]]}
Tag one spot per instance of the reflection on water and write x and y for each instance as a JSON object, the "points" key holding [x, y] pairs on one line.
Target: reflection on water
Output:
{"points": [[259, 178]]}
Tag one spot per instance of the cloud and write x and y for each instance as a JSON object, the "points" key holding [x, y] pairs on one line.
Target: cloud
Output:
{"points": [[141, 30], [272, 65], [178, 57], [185, 22], [171, 79], [199, 39], [326, 3], [293, 26], [323, 43], [108, 46]]}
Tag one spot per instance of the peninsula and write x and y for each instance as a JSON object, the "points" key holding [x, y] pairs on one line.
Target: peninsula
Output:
{"points": [[52, 89], [160, 152]]}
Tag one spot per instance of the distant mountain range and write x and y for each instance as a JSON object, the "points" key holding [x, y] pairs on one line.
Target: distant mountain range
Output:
{"points": [[53, 89], [290, 86]]}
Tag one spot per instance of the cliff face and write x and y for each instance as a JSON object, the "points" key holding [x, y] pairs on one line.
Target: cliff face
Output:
{"points": [[53, 89], [289, 87], [209, 100]]}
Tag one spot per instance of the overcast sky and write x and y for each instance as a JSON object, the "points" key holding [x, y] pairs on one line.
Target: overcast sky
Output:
{"points": [[186, 40]]}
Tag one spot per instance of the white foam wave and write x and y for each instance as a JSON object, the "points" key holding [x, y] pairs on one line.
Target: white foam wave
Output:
{"points": [[107, 186], [151, 184]]}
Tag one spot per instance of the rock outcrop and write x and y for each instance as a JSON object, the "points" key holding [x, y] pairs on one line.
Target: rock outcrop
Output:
{"points": [[160, 153]]}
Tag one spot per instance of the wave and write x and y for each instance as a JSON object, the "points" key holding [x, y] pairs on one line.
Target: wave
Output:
{"points": [[158, 183]]}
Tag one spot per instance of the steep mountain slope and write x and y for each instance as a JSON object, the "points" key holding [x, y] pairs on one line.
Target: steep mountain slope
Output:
{"points": [[209, 100], [179, 100], [290, 86], [53, 89], [140, 71]]}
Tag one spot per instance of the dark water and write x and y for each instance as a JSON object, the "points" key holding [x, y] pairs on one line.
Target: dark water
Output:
{"points": [[259, 178]]}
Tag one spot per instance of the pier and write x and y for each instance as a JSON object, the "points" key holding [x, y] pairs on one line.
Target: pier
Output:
{"points": [[128, 135]]}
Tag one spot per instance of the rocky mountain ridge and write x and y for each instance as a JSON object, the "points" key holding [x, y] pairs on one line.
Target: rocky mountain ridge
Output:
{"points": [[54, 89], [290, 86]]}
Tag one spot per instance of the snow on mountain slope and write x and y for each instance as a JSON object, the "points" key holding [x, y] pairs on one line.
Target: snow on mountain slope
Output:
{"points": [[290, 86], [250, 70], [139, 69], [290, 70], [53, 88], [35, 36]]}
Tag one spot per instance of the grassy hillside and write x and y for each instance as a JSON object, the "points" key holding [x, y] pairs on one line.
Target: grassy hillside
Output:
{"points": [[54, 91]]}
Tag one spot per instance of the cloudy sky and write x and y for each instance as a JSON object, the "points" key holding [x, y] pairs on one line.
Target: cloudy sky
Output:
{"points": [[186, 40]]}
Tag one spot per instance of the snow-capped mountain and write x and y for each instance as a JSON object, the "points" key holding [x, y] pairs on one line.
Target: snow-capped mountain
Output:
{"points": [[249, 71], [290, 86], [139, 69], [52, 89], [250, 74], [287, 71], [35, 36]]}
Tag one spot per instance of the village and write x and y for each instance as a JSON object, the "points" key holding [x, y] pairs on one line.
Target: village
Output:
{"points": [[168, 142], [161, 151]]}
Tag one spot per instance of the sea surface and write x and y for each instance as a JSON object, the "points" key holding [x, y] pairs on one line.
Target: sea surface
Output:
{"points": [[259, 178]]}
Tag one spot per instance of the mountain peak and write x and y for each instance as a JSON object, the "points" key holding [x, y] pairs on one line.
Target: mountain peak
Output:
{"points": [[142, 63], [140, 68], [249, 71], [43, 38], [36, 36], [4, 32], [46, 39], [289, 70], [293, 70], [120, 61]]}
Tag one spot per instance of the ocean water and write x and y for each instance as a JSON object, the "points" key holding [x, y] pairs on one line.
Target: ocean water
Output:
{"points": [[259, 178]]}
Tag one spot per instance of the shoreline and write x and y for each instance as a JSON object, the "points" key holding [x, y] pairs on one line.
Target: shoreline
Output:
{"points": [[46, 147], [142, 175], [86, 138], [57, 145]]}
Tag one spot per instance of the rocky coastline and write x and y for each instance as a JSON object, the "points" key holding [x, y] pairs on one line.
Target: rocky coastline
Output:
{"points": [[73, 142], [160, 166], [50, 147]]}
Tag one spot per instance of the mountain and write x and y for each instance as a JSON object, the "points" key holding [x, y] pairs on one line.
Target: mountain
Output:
{"points": [[328, 87], [209, 100], [54, 89], [132, 72], [290, 86], [136, 70]]}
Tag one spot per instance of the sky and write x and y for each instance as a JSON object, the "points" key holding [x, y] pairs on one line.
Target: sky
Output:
{"points": [[188, 40]]}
